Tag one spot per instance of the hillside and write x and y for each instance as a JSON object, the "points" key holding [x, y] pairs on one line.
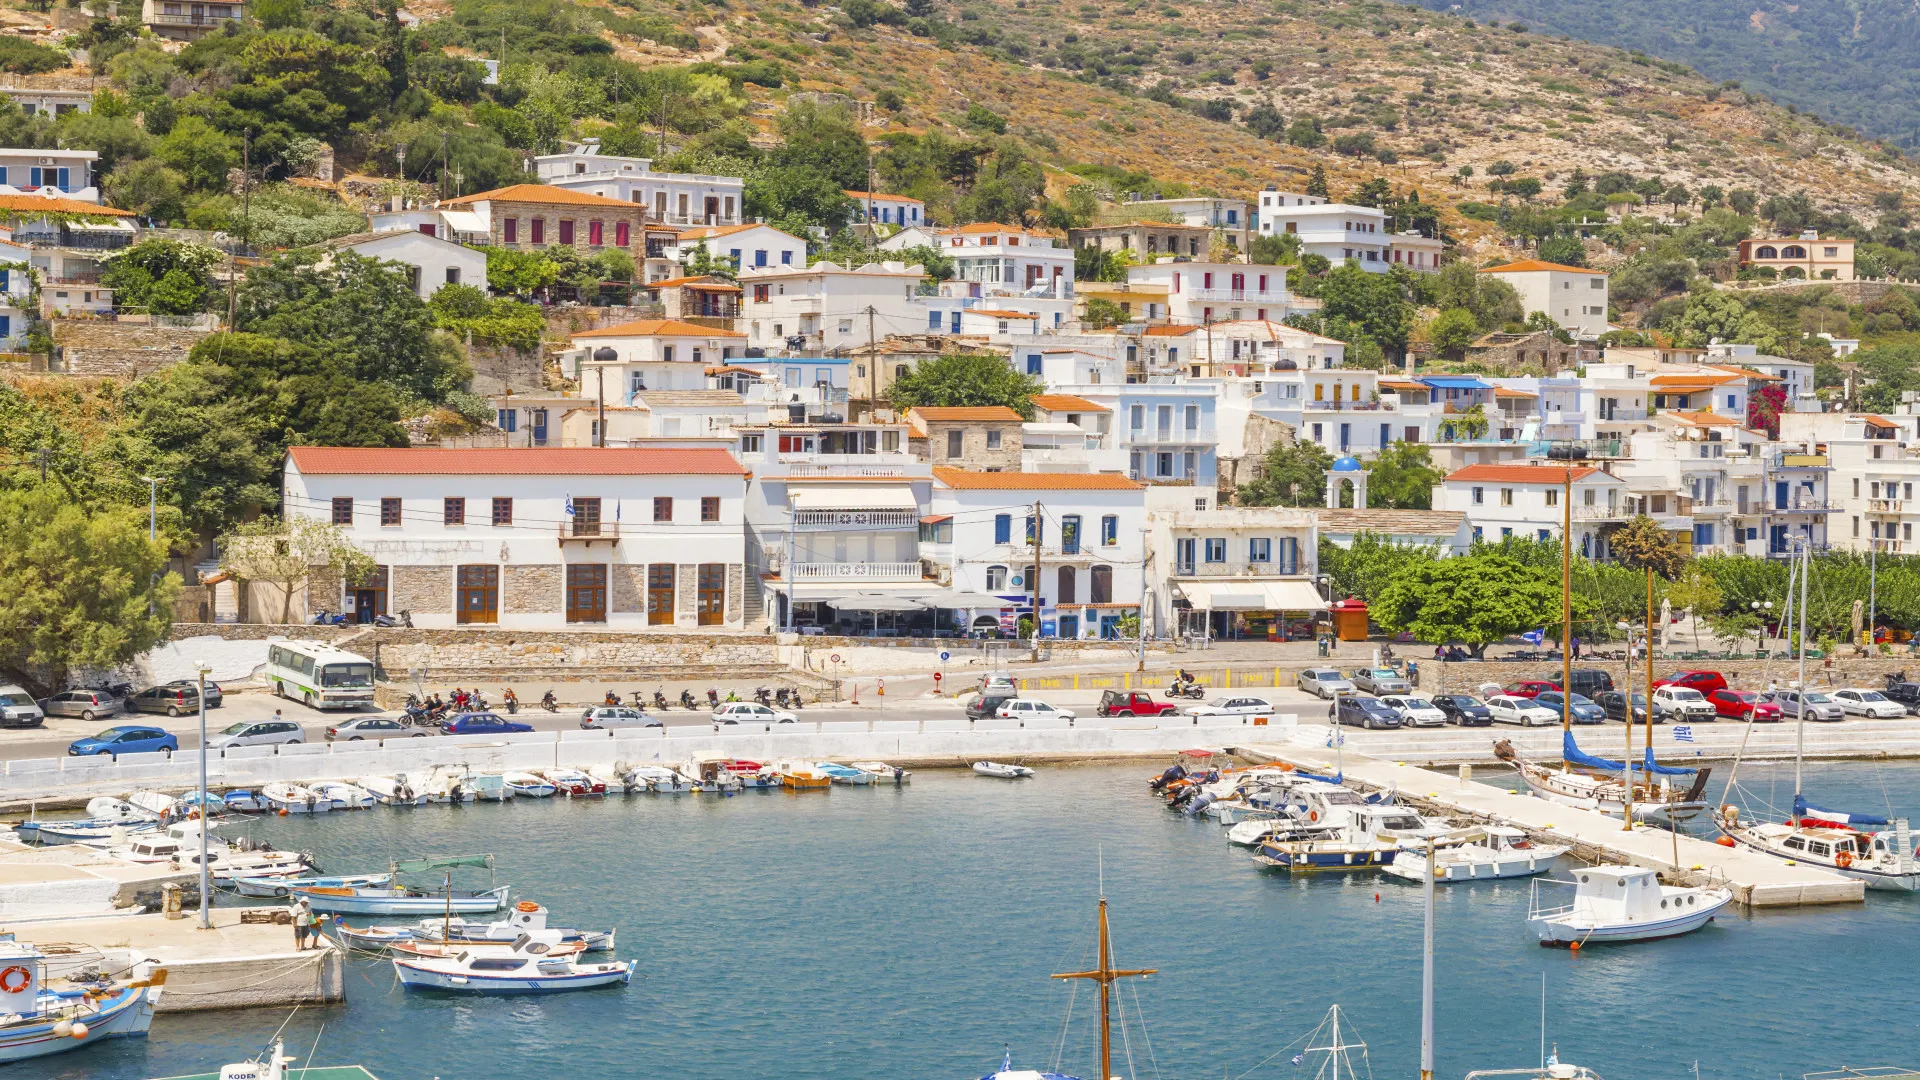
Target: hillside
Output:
{"points": [[1853, 61]]}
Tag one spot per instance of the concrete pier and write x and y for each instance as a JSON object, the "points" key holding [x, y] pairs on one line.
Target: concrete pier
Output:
{"points": [[1756, 880]]}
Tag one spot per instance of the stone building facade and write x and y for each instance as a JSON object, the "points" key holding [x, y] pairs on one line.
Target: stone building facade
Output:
{"points": [[985, 439]]}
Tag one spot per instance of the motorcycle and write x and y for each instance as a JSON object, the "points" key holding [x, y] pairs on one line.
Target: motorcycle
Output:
{"points": [[611, 699], [659, 700], [416, 714], [763, 696], [780, 698], [328, 618], [732, 696], [512, 700], [686, 700], [1187, 689], [713, 698], [550, 703]]}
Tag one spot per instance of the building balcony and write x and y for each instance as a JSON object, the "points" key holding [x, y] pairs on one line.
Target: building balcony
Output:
{"points": [[200, 22], [1194, 436], [856, 572], [1594, 448], [828, 466], [1350, 406], [1893, 507], [1802, 506], [1800, 461], [1713, 508], [588, 532], [1072, 459], [1237, 296], [1242, 569], [1600, 513], [840, 520]]}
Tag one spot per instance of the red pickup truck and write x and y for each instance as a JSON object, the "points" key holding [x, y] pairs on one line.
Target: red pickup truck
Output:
{"points": [[1133, 703]]}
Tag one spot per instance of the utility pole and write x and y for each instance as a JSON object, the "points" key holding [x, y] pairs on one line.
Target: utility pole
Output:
{"points": [[872, 345], [1034, 535], [1141, 622]]}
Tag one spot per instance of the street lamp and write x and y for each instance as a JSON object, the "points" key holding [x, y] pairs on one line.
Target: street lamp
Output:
{"points": [[206, 922], [1760, 632]]}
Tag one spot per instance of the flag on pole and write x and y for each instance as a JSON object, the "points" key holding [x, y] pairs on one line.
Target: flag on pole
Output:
{"points": [[569, 505], [1683, 733], [1298, 1058]]}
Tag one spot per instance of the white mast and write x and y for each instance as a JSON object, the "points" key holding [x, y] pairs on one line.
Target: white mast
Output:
{"points": [[1800, 728]]}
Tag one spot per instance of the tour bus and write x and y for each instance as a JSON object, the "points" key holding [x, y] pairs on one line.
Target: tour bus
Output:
{"points": [[320, 676]]}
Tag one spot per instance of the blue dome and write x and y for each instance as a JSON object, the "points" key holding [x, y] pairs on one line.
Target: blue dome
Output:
{"points": [[1346, 463]]}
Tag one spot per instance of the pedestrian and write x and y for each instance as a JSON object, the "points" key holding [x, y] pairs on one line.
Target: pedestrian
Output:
{"points": [[299, 916], [313, 924], [276, 714]]}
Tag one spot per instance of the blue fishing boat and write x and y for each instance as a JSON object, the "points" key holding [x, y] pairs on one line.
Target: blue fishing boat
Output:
{"points": [[36, 1022], [74, 831], [272, 886], [843, 774], [392, 898], [525, 967]]}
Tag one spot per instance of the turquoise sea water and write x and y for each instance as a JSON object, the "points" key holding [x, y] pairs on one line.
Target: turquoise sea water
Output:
{"points": [[909, 933]]}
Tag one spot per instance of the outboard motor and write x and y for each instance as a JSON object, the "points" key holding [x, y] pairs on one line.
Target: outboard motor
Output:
{"points": [[1174, 772]]}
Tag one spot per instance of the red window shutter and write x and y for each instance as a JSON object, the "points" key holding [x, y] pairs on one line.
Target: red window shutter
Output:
{"points": [[538, 232], [566, 230], [510, 230], [595, 234], [622, 234]]}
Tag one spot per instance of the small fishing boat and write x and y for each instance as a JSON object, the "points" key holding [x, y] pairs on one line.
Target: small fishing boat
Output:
{"points": [[844, 774], [1501, 851], [1337, 846], [573, 783], [528, 966], [52, 832], [36, 1021], [476, 787], [420, 947], [530, 785], [397, 900], [179, 845], [392, 790], [245, 802], [272, 1065], [663, 780], [524, 918], [345, 796], [619, 778], [156, 804], [279, 886], [108, 808], [884, 773], [1001, 771], [1621, 904], [295, 799], [712, 776]]}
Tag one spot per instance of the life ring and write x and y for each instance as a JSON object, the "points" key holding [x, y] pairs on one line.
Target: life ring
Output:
{"points": [[8, 976], [526, 905], [1313, 815], [1843, 860]]}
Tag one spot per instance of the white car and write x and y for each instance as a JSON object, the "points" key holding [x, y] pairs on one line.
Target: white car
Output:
{"points": [[1415, 711], [1028, 709], [1519, 710], [601, 717], [751, 712], [258, 733], [1868, 703], [1683, 703], [1232, 706], [1324, 682]]}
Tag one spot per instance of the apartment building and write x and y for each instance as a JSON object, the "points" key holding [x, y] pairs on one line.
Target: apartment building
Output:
{"points": [[1574, 297], [1809, 255], [528, 217], [828, 308], [670, 198], [1503, 500], [1340, 233], [1233, 572]]}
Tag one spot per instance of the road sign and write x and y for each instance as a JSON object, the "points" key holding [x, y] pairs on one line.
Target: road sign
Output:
{"points": [[835, 658], [936, 678], [945, 656]]}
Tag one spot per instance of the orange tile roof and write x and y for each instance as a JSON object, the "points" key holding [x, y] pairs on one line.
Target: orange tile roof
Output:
{"points": [[964, 480], [541, 193], [1521, 474], [714, 232], [1171, 331], [982, 412], [532, 461], [1066, 403], [1706, 419], [1397, 384], [1876, 421], [658, 328], [1501, 391], [879, 195], [998, 314], [30, 203], [1528, 265], [694, 282], [1748, 372]]}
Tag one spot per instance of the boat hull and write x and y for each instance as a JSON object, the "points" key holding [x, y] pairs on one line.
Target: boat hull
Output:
{"points": [[1568, 931], [333, 903], [129, 1013], [416, 976], [1324, 857], [1412, 866], [270, 887]]}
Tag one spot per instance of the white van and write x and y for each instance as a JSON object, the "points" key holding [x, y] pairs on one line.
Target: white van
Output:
{"points": [[18, 709]]}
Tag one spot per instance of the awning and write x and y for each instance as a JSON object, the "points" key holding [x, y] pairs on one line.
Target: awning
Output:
{"points": [[464, 221], [1252, 595], [1455, 382], [115, 225], [852, 497]]}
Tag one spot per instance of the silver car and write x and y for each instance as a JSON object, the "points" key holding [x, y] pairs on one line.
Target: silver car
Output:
{"points": [[1324, 682], [1380, 680], [1870, 703], [85, 704], [258, 733], [1819, 706]]}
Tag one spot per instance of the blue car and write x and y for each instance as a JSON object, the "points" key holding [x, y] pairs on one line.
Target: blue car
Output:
{"points": [[483, 723], [124, 740], [1584, 710]]}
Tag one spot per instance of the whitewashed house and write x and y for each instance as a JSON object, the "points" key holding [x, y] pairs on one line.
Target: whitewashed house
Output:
{"points": [[66, 174], [746, 247], [1341, 233], [827, 307], [672, 198], [1572, 296], [1233, 571], [431, 261], [1525, 500]]}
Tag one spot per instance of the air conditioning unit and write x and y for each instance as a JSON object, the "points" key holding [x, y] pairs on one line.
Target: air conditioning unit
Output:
{"points": [[45, 161]]}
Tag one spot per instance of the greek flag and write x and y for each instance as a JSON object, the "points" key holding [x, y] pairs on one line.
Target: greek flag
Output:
{"points": [[1336, 738], [1298, 1058], [569, 506], [1683, 733]]}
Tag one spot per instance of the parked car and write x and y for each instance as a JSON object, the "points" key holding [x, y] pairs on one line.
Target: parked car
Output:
{"points": [[85, 704], [170, 699], [1903, 690], [124, 740], [1818, 706], [257, 733], [1464, 709], [18, 709], [1584, 710], [751, 712], [1233, 706], [1366, 712], [603, 717], [216, 697], [1614, 704], [370, 727], [1133, 703], [1527, 688], [987, 703], [1744, 705], [1379, 680], [998, 683], [1508, 709], [1677, 702], [1590, 682], [484, 723], [1324, 682], [1704, 681], [1415, 711], [1029, 709], [1868, 703]]}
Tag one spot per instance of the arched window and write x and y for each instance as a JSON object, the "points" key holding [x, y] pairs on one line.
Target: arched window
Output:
{"points": [[1102, 586], [1793, 251], [996, 579], [1066, 587], [1766, 251], [1793, 272]]}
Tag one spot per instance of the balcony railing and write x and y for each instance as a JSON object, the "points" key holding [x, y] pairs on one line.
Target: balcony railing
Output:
{"points": [[870, 571], [1171, 436], [587, 532], [811, 466], [824, 520], [1241, 569], [1803, 506], [1800, 461], [1349, 406], [1598, 513], [1237, 296], [1886, 506], [1604, 448], [206, 20]]}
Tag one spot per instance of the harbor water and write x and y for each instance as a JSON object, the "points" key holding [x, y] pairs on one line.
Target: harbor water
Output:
{"points": [[879, 934]]}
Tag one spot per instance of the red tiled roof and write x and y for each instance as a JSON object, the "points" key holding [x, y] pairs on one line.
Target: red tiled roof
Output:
{"points": [[541, 193], [1878, 421], [879, 195], [1525, 265], [658, 328], [1067, 403], [964, 480], [533, 461], [1521, 474], [1706, 419], [1171, 331], [25, 204], [981, 412]]}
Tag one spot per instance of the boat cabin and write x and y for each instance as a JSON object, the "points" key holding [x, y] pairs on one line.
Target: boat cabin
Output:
{"points": [[1621, 894]]}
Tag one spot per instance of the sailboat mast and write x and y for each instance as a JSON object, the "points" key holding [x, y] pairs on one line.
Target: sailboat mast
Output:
{"points": [[1566, 607], [1649, 743], [1426, 975], [1106, 986], [1800, 727]]}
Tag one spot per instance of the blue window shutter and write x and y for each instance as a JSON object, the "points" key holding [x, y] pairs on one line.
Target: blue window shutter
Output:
{"points": [[34, 174], [1002, 528], [6, 326], [63, 180], [1033, 363], [933, 320], [956, 323]]}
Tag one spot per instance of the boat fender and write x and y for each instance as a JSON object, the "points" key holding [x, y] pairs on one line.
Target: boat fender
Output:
{"points": [[63, 1028], [79, 1030], [1313, 815], [1843, 860], [15, 979]]}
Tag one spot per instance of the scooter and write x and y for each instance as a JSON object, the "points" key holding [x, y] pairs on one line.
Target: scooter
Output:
{"points": [[328, 618], [550, 703], [732, 696], [659, 700], [1191, 690], [713, 697], [390, 622], [686, 700], [611, 699], [763, 696], [780, 698]]}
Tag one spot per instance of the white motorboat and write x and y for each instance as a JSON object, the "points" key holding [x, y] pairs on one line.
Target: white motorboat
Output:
{"points": [[36, 1021], [179, 844], [105, 808], [529, 785], [526, 917], [273, 1066], [277, 885], [1001, 771], [1833, 840], [53, 831], [1621, 904], [295, 799], [884, 773], [245, 802], [345, 796], [156, 804], [663, 780], [393, 790], [476, 787], [1501, 852], [618, 778], [528, 966], [573, 782]]}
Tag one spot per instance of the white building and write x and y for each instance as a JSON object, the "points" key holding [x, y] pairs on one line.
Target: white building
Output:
{"points": [[648, 354], [1338, 232], [896, 210], [1795, 375], [67, 174], [532, 538], [1233, 572], [1876, 465], [747, 247], [430, 260], [48, 100], [1415, 251], [1090, 545], [828, 307], [1202, 292], [1573, 297], [1524, 500], [673, 198]]}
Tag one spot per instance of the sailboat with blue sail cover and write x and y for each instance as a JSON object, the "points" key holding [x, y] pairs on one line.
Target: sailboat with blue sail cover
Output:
{"points": [[1592, 782]]}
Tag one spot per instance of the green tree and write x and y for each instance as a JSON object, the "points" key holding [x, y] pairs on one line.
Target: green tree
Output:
{"points": [[1374, 192], [825, 139], [1101, 314], [1452, 331], [1375, 302], [1317, 182], [216, 445], [1716, 314], [938, 264], [147, 188], [365, 310], [1696, 593], [1281, 249], [288, 553], [1565, 250], [1643, 545], [199, 152], [1475, 600], [519, 273], [1305, 132], [1402, 478], [968, 380], [162, 277], [1289, 476], [1371, 563], [78, 588]]}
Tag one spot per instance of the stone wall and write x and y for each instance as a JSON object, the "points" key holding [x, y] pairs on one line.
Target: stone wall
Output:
{"points": [[974, 453], [627, 587], [99, 347], [421, 589], [498, 369], [527, 589], [686, 596]]}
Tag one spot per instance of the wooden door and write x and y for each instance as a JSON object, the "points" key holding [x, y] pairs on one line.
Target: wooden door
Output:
{"points": [[713, 594], [479, 594], [660, 594], [586, 592]]}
